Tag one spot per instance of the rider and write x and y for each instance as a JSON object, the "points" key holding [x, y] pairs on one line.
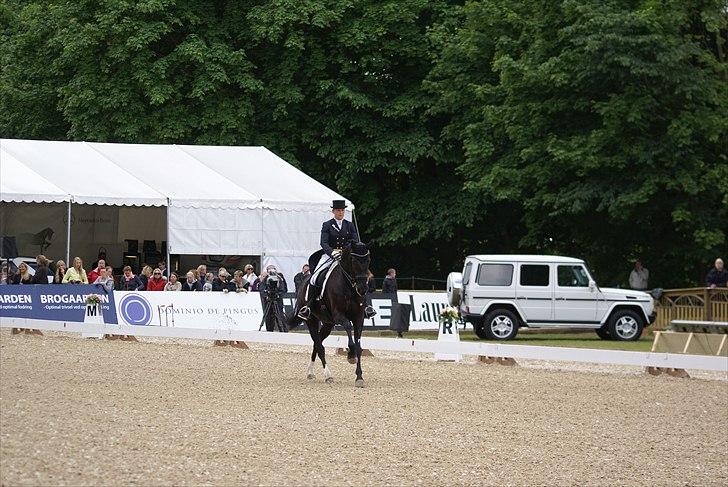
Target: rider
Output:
{"points": [[336, 234]]}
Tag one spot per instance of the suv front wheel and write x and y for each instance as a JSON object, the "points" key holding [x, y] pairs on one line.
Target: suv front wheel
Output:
{"points": [[625, 325], [500, 324]]}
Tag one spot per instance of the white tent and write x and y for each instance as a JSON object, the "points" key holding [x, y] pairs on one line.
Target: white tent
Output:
{"points": [[219, 200]]}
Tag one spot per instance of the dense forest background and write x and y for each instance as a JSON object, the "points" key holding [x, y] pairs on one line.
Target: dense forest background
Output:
{"points": [[593, 128]]}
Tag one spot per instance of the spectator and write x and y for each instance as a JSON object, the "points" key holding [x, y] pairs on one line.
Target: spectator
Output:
{"points": [[145, 275], [96, 272], [104, 280], [207, 286], [92, 275], [163, 267], [156, 282], [301, 276], [371, 285], [60, 272], [389, 286], [76, 274], [23, 275], [221, 283], [202, 275], [173, 284], [256, 284], [250, 275], [42, 270], [110, 275], [718, 276], [639, 277], [130, 282], [241, 285], [4, 274], [100, 256], [191, 283]]}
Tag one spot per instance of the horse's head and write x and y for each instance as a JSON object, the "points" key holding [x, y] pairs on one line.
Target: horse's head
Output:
{"points": [[360, 259]]}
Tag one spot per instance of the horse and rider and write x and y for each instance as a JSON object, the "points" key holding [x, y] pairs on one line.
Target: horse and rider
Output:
{"points": [[335, 292]]}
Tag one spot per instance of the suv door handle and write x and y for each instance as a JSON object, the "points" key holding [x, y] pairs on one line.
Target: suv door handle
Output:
{"points": [[560, 298]]}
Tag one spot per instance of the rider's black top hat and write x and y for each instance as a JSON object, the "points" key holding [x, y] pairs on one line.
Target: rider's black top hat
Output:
{"points": [[338, 205]]}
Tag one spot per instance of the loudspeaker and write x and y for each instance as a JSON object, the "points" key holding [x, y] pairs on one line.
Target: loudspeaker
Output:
{"points": [[8, 248]]}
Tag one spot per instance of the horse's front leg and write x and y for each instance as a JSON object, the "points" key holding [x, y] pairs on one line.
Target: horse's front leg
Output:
{"points": [[351, 355], [358, 328]]}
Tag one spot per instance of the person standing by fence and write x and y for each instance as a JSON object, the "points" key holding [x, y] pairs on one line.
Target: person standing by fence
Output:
{"points": [[389, 286], [639, 277], [718, 276]]}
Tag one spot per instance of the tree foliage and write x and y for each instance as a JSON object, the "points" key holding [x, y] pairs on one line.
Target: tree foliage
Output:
{"points": [[589, 128]]}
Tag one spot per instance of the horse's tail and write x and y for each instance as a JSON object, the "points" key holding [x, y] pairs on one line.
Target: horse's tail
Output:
{"points": [[293, 320]]}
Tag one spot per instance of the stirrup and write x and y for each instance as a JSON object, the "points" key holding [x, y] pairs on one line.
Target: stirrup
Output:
{"points": [[304, 313], [369, 312]]}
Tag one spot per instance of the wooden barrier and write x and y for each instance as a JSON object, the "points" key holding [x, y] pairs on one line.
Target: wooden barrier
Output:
{"points": [[693, 304]]}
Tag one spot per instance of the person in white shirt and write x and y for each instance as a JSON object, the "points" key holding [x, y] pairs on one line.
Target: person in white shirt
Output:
{"points": [[639, 277], [249, 275]]}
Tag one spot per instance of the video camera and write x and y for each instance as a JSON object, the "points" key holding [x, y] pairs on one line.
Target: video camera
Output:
{"points": [[272, 284]]}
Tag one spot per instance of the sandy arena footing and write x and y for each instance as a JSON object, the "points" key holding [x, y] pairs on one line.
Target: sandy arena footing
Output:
{"points": [[90, 412]]}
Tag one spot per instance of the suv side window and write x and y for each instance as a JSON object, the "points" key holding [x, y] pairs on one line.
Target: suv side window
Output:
{"points": [[466, 273], [534, 275], [495, 274], [572, 276]]}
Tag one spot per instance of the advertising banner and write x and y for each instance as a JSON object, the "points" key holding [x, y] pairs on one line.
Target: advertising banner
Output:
{"points": [[53, 302], [426, 306], [215, 310], [192, 309]]}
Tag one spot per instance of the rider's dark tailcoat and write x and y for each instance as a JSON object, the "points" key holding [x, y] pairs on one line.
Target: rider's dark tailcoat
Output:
{"points": [[333, 238]]}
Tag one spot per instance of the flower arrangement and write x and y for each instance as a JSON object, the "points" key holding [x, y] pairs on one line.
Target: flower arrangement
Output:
{"points": [[449, 313], [93, 299]]}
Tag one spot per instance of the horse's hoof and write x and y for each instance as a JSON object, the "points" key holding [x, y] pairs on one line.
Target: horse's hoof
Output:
{"points": [[330, 380], [351, 360], [359, 383], [310, 377]]}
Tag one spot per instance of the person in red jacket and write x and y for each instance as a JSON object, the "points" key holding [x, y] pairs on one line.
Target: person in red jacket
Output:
{"points": [[156, 282]]}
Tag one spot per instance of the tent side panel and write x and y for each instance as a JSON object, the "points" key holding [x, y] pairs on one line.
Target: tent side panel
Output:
{"points": [[211, 231]]}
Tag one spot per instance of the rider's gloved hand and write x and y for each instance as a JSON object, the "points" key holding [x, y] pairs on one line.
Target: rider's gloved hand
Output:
{"points": [[336, 254]]}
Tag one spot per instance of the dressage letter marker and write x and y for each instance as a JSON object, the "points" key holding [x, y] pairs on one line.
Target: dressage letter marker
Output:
{"points": [[448, 332]]}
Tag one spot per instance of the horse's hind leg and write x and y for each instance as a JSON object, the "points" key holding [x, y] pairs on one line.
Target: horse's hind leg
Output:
{"points": [[351, 356], [313, 331]]}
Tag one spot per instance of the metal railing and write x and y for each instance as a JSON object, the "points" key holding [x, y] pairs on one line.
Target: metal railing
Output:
{"points": [[693, 304]]}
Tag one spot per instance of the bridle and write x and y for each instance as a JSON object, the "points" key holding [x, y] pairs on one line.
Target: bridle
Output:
{"points": [[352, 281]]}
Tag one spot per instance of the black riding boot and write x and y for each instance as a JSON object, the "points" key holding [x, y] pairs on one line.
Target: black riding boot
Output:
{"points": [[305, 312]]}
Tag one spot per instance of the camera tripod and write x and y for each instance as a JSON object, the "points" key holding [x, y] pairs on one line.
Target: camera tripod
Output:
{"points": [[277, 315]]}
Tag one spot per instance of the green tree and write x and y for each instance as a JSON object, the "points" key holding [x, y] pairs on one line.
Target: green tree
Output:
{"points": [[604, 121]]}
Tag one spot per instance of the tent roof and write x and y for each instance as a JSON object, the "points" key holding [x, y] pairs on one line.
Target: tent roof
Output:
{"points": [[183, 179], [82, 172], [275, 182], [20, 184], [150, 175]]}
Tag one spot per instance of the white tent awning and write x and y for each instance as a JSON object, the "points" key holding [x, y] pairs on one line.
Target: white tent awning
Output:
{"points": [[82, 172], [19, 184]]}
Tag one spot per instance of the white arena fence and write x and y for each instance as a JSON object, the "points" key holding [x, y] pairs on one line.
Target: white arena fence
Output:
{"points": [[230, 316], [526, 352]]}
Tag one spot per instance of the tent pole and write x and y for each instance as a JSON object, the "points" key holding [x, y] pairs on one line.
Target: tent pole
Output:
{"points": [[68, 234], [169, 261]]}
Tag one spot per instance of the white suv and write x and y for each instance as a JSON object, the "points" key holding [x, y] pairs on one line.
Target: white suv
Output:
{"points": [[498, 294]]}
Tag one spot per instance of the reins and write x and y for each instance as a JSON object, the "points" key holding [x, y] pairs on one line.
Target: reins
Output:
{"points": [[352, 281]]}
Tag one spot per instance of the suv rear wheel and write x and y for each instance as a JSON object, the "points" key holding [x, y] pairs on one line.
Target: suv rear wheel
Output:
{"points": [[625, 325], [603, 333], [500, 324]]}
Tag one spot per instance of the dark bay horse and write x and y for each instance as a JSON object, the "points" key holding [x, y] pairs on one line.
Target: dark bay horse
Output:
{"points": [[342, 304]]}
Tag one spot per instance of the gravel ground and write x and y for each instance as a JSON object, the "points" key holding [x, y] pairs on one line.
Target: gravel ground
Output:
{"points": [[87, 412]]}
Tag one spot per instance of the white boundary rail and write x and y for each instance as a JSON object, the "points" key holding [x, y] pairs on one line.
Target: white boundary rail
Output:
{"points": [[526, 352]]}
